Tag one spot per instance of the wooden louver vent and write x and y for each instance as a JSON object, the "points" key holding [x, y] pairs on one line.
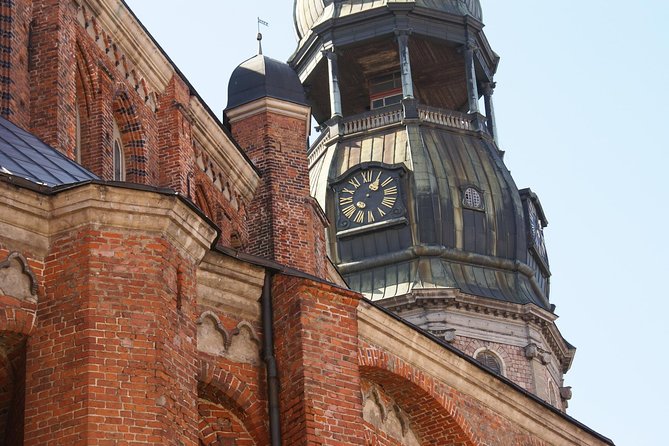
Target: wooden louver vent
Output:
{"points": [[490, 360]]}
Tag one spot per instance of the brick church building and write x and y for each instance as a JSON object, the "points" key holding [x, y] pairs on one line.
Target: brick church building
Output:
{"points": [[171, 278]]}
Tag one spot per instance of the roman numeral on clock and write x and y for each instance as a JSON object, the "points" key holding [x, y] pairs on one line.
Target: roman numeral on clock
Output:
{"points": [[348, 210], [388, 202]]}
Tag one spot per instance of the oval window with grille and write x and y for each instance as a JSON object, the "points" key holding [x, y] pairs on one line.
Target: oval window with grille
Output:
{"points": [[472, 199]]}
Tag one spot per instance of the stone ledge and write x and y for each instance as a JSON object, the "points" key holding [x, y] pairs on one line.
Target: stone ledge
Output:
{"points": [[412, 346], [33, 219], [229, 285]]}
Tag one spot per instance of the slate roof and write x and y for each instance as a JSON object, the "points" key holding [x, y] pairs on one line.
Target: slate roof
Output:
{"points": [[24, 155]]}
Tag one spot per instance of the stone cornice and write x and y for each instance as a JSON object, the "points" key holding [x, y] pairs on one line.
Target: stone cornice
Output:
{"points": [[528, 313], [230, 285], [132, 209], [34, 219], [127, 32], [22, 220], [270, 105], [410, 345]]}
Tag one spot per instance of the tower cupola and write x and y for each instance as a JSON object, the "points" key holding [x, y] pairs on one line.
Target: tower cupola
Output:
{"points": [[425, 217]]}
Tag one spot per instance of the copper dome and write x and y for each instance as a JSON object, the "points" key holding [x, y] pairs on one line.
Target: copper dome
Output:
{"points": [[307, 13]]}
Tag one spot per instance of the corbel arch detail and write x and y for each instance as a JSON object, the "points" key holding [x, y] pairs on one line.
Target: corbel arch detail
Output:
{"points": [[212, 337], [17, 278]]}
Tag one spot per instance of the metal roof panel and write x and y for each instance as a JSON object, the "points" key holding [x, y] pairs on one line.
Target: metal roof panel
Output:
{"points": [[24, 155]]}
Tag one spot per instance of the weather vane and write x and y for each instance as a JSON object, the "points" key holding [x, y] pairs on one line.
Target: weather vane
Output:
{"points": [[264, 23]]}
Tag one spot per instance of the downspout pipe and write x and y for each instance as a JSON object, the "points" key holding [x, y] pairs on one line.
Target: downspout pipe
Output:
{"points": [[270, 360]]}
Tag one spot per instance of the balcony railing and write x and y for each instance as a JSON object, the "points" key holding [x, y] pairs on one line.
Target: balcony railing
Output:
{"points": [[395, 114], [448, 118], [373, 119]]}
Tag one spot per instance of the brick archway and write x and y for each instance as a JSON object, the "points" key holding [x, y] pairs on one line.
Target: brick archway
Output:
{"points": [[15, 326], [433, 414], [226, 390], [133, 137], [218, 426]]}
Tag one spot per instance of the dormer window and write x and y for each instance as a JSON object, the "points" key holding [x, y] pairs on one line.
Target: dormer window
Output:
{"points": [[385, 90]]}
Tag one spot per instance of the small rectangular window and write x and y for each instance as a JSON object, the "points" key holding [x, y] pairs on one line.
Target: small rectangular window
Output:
{"points": [[385, 90]]}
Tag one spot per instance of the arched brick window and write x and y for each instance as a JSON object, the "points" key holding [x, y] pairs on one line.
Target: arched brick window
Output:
{"points": [[77, 137], [118, 156]]}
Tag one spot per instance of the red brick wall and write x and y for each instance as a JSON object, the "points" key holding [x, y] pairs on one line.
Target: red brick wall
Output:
{"points": [[439, 414], [52, 77], [282, 225], [220, 427], [316, 335], [231, 221], [112, 357], [14, 88], [176, 151], [65, 68]]}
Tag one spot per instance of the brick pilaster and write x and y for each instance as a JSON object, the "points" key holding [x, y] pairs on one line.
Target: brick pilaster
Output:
{"points": [[113, 356], [175, 140], [316, 333], [52, 73], [283, 223], [15, 16]]}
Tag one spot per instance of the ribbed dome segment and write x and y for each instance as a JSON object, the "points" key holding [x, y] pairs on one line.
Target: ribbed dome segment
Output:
{"points": [[309, 12], [261, 77]]}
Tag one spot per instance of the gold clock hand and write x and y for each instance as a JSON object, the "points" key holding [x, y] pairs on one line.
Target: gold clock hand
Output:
{"points": [[375, 185]]}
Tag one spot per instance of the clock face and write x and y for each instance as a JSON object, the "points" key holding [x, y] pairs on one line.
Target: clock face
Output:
{"points": [[536, 231], [368, 196]]}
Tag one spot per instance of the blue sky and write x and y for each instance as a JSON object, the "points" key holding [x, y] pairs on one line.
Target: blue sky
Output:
{"points": [[581, 104]]}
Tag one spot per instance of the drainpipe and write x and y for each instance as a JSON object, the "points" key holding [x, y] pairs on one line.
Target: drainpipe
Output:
{"points": [[270, 361]]}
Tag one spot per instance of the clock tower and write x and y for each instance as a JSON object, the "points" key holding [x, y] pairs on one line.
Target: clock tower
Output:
{"points": [[425, 218]]}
